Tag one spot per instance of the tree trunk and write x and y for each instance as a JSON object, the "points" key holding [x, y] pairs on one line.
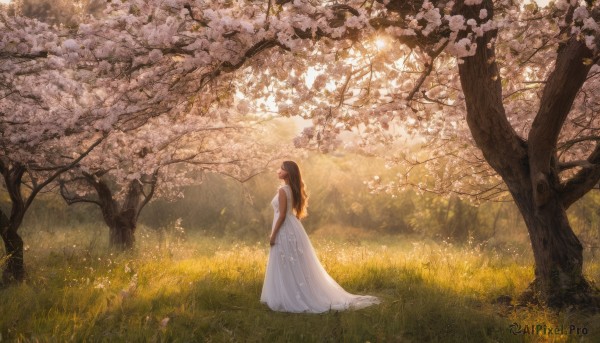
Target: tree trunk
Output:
{"points": [[122, 238], [529, 168], [14, 270], [558, 254], [122, 231], [121, 220]]}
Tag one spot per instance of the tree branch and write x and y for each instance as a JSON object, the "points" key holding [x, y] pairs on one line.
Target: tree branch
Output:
{"points": [[583, 181], [427, 71], [501, 146], [71, 199], [56, 174], [557, 99], [148, 197], [568, 144], [562, 166]]}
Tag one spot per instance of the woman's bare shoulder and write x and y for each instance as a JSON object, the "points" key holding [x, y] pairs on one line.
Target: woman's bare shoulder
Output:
{"points": [[285, 189]]}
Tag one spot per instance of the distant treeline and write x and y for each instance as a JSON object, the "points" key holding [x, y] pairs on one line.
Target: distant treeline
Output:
{"points": [[340, 203]]}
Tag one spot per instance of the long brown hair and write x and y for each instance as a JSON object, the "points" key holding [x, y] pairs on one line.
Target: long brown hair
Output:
{"points": [[299, 196]]}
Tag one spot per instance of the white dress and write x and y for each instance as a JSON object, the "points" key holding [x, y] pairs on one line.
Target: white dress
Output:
{"points": [[295, 281]]}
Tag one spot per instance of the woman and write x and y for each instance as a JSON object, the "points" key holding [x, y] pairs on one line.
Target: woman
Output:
{"points": [[295, 281]]}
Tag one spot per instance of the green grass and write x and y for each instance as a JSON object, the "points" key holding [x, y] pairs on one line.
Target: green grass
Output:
{"points": [[207, 289]]}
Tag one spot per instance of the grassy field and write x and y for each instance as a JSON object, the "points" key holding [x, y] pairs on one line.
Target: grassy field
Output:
{"points": [[207, 289]]}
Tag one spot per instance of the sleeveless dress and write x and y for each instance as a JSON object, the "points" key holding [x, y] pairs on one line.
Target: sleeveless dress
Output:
{"points": [[295, 280]]}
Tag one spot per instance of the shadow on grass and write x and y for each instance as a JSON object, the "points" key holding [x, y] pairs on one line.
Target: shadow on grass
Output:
{"points": [[184, 302], [222, 309]]}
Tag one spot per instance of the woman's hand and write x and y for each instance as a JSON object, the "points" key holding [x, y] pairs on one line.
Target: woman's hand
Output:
{"points": [[272, 240]]}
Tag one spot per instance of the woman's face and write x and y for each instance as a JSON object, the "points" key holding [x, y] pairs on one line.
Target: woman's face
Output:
{"points": [[282, 174]]}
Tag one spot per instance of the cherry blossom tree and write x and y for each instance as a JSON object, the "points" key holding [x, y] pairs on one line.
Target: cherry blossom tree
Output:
{"points": [[524, 78], [130, 168], [531, 109], [60, 92], [44, 131]]}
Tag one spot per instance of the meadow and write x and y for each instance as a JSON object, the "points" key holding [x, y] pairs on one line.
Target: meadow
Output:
{"points": [[207, 289]]}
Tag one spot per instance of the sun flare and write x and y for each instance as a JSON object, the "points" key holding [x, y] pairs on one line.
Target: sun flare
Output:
{"points": [[380, 43]]}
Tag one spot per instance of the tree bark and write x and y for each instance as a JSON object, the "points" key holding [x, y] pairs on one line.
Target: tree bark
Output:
{"points": [[121, 219], [558, 253], [12, 172], [529, 168], [14, 269], [13, 245], [122, 232]]}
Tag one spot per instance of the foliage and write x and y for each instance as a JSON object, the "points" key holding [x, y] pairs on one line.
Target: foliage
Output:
{"points": [[340, 204], [339, 197], [585, 217], [59, 12]]}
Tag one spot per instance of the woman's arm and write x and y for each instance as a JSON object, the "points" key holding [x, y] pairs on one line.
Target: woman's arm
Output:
{"points": [[282, 213]]}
